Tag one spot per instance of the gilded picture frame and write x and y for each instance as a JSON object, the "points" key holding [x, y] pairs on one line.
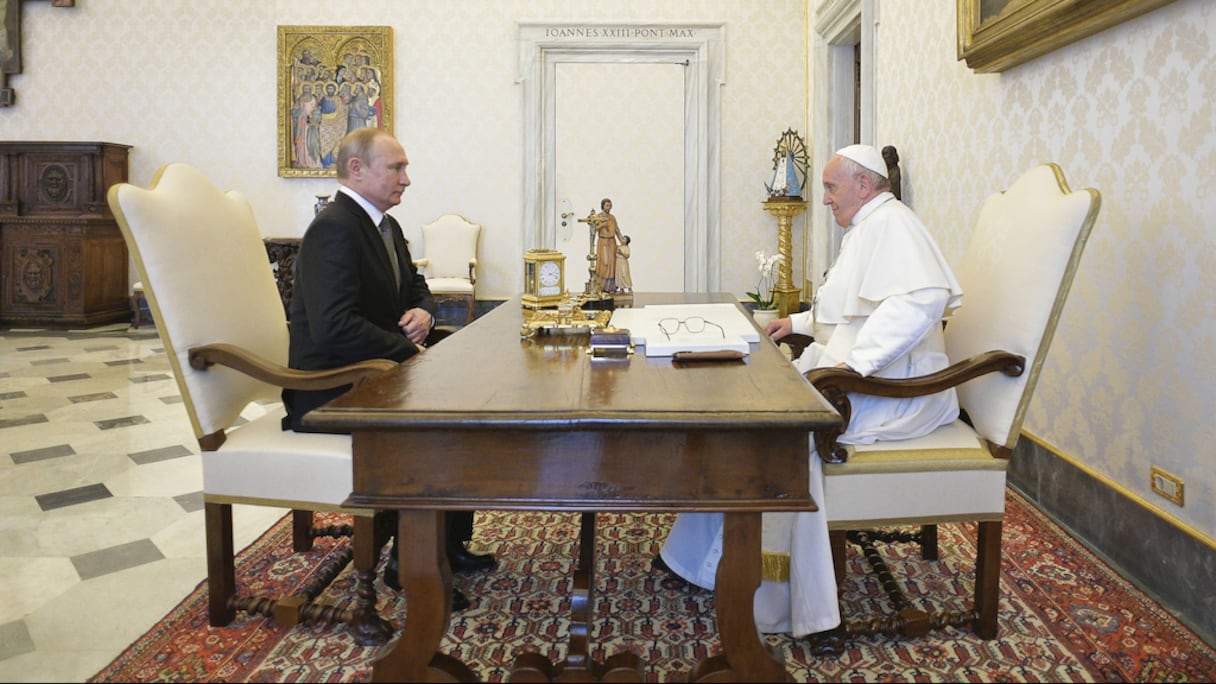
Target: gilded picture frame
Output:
{"points": [[10, 48], [10, 36], [332, 79], [995, 35]]}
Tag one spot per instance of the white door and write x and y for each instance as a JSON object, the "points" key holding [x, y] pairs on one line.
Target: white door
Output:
{"points": [[619, 134]]}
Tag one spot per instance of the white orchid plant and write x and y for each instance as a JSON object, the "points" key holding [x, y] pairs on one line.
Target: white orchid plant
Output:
{"points": [[767, 265]]}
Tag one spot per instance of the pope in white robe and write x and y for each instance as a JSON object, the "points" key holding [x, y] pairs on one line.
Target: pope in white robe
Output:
{"points": [[879, 311]]}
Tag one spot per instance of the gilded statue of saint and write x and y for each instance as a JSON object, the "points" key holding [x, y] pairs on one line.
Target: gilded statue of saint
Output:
{"points": [[607, 237]]}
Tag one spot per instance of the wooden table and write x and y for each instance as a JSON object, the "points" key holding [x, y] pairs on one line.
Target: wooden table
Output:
{"points": [[490, 420]]}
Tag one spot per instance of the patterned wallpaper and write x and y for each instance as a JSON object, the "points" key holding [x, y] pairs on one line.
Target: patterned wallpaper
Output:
{"points": [[1128, 111], [196, 82], [1131, 378]]}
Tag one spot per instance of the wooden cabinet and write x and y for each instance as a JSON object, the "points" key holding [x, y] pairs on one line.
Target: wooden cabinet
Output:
{"points": [[62, 258]]}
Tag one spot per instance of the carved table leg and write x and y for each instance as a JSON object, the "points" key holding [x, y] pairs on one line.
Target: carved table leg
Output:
{"points": [[745, 657], [365, 624], [426, 581], [582, 601]]}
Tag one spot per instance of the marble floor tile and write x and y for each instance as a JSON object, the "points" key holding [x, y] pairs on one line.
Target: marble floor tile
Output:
{"points": [[56, 451], [160, 454], [73, 496], [104, 524], [113, 610], [14, 640], [165, 478], [48, 666], [101, 508], [28, 419], [58, 474], [116, 558], [31, 582]]}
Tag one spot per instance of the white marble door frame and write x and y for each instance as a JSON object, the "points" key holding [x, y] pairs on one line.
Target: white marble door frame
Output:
{"points": [[542, 45]]}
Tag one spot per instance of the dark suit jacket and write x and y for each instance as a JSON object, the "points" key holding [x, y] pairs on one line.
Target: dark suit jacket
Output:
{"points": [[345, 304]]}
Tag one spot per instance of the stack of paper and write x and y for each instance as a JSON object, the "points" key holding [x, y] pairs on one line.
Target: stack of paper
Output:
{"points": [[736, 330]]}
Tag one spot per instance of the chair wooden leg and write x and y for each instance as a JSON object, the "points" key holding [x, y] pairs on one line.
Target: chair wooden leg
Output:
{"points": [[908, 620], [137, 304], [928, 542], [988, 578], [221, 574], [471, 304], [838, 539], [301, 531]]}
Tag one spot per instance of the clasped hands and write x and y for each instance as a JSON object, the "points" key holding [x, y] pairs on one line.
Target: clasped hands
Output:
{"points": [[416, 324]]}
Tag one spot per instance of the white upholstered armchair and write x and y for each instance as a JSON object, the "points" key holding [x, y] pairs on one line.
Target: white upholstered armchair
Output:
{"points": [[450, 262], [1015, 277], [210, 288]]}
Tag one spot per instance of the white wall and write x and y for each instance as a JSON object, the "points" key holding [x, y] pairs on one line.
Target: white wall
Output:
{"points": [[1131, 378], [196, 82]]}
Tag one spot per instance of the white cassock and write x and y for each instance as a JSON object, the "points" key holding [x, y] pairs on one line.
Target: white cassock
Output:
{"points": [[879, 310]]}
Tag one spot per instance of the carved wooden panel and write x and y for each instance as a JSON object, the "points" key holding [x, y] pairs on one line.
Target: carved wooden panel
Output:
{"points": [[282, 254]]}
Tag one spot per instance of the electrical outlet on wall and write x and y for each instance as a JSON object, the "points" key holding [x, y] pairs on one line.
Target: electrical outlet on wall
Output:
{"points": [[1167, 485]]}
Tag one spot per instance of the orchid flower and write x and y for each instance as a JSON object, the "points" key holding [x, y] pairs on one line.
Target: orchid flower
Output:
{"points": [[766, 264]]}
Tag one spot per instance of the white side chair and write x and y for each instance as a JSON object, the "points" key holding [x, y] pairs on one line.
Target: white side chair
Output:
{"points": [[210, 288], [450, 261], [1015, 277]]}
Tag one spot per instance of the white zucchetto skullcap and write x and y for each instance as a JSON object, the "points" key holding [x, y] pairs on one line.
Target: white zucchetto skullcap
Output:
{"points": [[866, 155]]}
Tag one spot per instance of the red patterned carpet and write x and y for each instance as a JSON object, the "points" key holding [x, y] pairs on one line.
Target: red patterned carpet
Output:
{"points": [[1064, 615]]}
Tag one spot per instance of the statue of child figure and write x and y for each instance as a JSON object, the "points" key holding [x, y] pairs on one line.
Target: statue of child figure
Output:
{"points": [[624, 281]]}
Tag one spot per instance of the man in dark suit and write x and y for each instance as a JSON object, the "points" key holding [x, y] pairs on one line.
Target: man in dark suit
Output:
{"points": [[357, 296]]}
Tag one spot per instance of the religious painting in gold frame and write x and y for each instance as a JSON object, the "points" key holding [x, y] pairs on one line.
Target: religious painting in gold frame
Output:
{"points": [[332, 79], [995, 35], [10, 37], [10, 45]]}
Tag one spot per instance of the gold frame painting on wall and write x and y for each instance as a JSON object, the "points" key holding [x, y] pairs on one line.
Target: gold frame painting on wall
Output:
{"points": [[332, 79], [995, 35]]}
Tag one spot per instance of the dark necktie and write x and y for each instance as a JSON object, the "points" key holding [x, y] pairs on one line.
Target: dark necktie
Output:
{"points": [[387, 235]]}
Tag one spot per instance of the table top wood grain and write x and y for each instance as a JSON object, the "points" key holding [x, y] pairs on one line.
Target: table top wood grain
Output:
{"points": [[486, 376]]}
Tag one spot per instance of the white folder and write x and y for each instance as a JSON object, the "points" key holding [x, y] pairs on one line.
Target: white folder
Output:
{"points": [[737, 333]]}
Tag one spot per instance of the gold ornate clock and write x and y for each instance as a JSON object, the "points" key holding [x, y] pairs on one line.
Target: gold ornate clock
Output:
{"points": [[573, 321], [544, 278]]}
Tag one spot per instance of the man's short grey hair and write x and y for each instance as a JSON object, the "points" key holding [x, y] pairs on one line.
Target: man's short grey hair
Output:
{"points": [[359, 143]]}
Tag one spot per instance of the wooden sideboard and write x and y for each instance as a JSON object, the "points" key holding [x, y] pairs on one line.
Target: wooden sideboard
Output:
{"points": [[62, 258]]}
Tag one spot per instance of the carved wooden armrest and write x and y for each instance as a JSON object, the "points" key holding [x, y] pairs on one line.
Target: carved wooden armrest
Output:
{"points": [[797, 342], [240, 359], [473, 271], [835, 384]]}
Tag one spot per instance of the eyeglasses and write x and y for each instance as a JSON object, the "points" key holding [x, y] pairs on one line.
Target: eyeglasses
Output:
{"points": [[693, 324]]}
